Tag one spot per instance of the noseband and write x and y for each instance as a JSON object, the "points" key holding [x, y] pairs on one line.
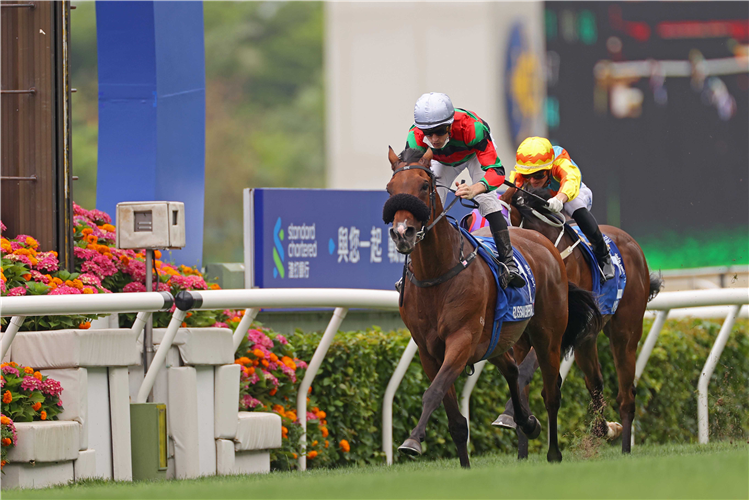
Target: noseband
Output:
{"points": [[398, 201]]}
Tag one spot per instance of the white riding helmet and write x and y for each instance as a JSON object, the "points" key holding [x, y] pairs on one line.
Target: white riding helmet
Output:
{"points": [[432, 110]]}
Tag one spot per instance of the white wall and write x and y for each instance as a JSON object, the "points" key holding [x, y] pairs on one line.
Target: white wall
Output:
{"points": [[380, 57]]}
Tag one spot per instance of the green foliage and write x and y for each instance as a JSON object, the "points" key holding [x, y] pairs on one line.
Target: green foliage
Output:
{"points": [[352, 380]]}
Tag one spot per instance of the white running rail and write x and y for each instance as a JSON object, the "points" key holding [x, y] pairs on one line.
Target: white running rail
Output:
{"points": [[43, 305]]}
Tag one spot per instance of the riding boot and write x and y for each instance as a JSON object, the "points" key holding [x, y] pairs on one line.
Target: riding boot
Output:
{"points": [[589, 226], [501, 236]]}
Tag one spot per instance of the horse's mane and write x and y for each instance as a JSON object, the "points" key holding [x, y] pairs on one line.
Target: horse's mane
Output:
{"points": [[411, 155]]}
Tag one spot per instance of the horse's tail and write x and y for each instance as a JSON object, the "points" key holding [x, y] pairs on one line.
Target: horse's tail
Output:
{"points": [[656, 284], [584, 318]]}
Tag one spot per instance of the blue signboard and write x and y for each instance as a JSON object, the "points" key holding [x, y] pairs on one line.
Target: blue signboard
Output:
{"points": [[320, 238]]}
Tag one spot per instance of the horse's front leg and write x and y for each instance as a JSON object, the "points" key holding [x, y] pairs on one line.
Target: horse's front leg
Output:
{"points": [[457, 351]]}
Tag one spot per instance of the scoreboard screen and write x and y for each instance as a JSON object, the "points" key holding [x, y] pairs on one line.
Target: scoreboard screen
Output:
{"points": [[651, 100]]}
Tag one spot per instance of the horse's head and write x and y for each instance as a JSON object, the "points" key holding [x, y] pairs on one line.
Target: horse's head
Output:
{"points": [[527, 203], [413, 197]]}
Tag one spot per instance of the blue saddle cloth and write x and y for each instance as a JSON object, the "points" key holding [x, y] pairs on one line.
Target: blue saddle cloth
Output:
{"points": [[610, 293], [513, 304]]}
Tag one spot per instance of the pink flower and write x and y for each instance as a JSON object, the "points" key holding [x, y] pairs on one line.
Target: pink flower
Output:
{"points": [[19, 258], [47, 262], [89, 279], [311, 416], [219, 324], [37, 276], [301, 364], [90, 267], [2, 226], [134, 287], [99, 216], [14, 245], [249, 402], [17, 291], [7, 369], [65, 290], [84, 253], [281, 339], [2, 286], [258, 337], [29, 383], [270, 377], [51, 387]]}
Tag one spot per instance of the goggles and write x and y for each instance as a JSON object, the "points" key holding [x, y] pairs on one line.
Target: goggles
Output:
{"points": [[438, 131], [541, 174]]}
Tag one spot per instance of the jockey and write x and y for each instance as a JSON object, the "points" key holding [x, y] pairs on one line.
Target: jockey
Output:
{"points": [[546, 166], [460, 139]]}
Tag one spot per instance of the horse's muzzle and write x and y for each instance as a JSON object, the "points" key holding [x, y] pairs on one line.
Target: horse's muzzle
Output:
{"points": [[404, 237]]}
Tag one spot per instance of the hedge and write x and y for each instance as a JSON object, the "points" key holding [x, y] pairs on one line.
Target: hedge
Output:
{"points": [[352, 380]]}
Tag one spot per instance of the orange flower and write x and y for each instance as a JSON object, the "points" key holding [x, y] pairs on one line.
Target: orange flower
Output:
{"points": [[294, 455], [107, 227], [273, 357], [250, 370], [321, 414], [264, 362], [273, 391], [4, 420], [27, 277], [314, 443], [258, 353], [312, 454], [183, 324], [278, 409], [124, 259], [88, 291], [91, 239], [188, 314], [36, 406], [345, 447], [7, 397], [87, 231], [85, 325], [327, 443], [214, 286], [43, 415], [38, 375], [3, 464], [6, 441], [28, 369], [324, 431], [157, 254], [309, 391]]}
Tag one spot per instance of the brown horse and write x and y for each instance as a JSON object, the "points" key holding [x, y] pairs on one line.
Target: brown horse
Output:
{"points": [[449, 300], [624, 327]]}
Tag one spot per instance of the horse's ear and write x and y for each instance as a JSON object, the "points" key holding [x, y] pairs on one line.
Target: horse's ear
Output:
{"points": [[426, 160], [394, 160]]}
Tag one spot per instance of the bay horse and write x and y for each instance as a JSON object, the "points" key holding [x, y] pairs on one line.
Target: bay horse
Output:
{"points": [[623, 328], [451, 314]]}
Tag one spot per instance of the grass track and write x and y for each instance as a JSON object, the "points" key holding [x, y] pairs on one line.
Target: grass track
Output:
{"points": [[719, 470]]}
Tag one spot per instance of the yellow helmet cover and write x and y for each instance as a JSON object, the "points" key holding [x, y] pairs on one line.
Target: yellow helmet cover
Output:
{"points": [[534, 154]]}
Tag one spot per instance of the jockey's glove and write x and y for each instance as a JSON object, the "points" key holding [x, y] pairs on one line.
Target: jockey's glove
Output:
{"points": [[555, 205]]}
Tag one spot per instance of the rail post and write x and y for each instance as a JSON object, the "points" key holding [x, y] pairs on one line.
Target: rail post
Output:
{"points": [[387, 401]]}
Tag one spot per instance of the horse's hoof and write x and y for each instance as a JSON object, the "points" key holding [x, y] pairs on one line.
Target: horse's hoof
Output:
{"points": [[554, 456], [614, 430], [410, 447], [505, 421], [536, 429]]}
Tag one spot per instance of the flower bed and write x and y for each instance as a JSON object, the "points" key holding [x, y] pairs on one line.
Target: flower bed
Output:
{"points": [[269, 381], [27, 396]]}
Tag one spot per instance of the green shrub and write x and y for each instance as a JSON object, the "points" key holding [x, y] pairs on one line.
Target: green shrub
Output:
{"points": [[352, 380]]}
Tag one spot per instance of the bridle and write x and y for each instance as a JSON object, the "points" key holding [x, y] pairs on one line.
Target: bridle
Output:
{"points": [[463, 262], [551, 221]]}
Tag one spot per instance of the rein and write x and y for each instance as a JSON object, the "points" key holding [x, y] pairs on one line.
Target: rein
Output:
{"points": [[554, 222], [463, 262]]}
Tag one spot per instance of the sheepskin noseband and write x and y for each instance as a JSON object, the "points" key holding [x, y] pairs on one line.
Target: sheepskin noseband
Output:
{"points": [[408, 202]]}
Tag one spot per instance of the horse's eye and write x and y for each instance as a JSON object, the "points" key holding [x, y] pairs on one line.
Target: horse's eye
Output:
{"points": [[425, 186]]}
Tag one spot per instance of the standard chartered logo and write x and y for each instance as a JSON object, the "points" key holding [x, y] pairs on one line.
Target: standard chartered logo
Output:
{"points": [[278, 254]]}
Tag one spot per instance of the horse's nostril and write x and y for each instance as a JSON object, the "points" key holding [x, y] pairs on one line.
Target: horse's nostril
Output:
{"points": [[410, 232], [393, 234]]}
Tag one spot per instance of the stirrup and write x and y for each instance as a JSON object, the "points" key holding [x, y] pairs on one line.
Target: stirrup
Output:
{"points": [[399, 285], [607, 268]]}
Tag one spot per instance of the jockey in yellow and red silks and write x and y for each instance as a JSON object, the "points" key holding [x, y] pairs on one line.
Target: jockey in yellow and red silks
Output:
{"points": [[542, 165]]}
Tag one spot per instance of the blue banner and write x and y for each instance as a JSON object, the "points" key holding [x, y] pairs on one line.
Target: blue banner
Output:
{"points": [[320, 238]]}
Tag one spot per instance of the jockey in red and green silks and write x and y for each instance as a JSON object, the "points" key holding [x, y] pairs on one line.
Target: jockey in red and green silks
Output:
{"points": [[460, 140]]}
